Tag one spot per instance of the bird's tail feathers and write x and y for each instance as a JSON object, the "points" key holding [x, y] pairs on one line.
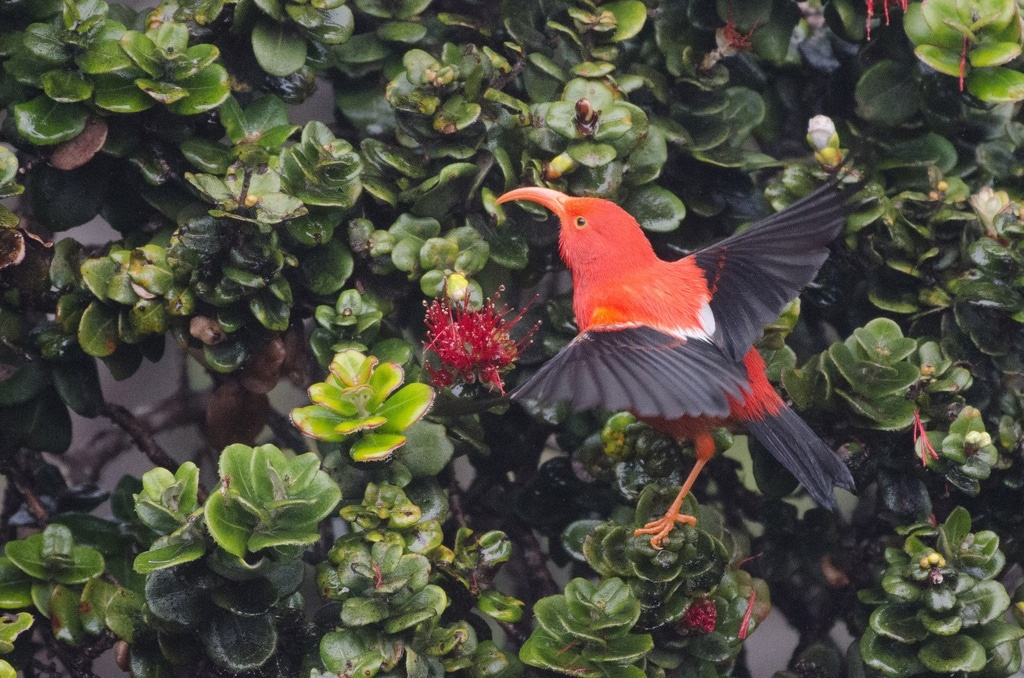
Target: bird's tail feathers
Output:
{"points": [[800, 450]]}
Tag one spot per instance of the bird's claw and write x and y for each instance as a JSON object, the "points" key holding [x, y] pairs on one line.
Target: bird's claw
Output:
{"points": [[659, 529]]}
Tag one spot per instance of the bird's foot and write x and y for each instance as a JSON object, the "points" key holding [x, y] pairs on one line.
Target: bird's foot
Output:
{"points": [[659, 529]]}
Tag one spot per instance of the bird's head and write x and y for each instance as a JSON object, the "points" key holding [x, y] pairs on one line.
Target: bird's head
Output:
{"points": [[592, 229]]}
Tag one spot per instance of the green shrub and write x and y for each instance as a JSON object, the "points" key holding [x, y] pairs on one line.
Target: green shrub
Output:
{"points": [[401, 518]]}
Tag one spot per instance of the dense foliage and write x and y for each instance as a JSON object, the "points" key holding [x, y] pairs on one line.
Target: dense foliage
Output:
{"points": [[362, 258]]}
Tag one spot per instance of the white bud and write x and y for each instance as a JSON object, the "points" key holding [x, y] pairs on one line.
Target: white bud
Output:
{"points": [[988, 204], [821, 133]]}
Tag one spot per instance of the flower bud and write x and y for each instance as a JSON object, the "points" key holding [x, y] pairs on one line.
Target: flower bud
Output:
{"points": [[559, 165], [978, 439], [457, 288], [988, 204], [821, 133]]}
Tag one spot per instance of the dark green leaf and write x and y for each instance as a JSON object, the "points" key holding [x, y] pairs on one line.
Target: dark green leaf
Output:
{"points": [[656, 208], [328, 267], [239, 644], [78, 385], [278, 50], [887, 93], [44, 121], [66, 87], [953, 654]]}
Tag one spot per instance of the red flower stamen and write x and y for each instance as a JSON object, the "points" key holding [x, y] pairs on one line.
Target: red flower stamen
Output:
{"points": [[921, 434], [473, 345], [963, 63], [885, 7], [746, 615], [736, 41], [700, 617]]}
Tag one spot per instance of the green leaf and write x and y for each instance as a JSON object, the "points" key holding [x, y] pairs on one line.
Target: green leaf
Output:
{"points": [[78, 385], [376, 446], [23, 383], [162, 92], [984, 602], [456, 114], [405, 407], [427, 450], [278, 50], [630, 16], [196, 58], [318, 422], [393, 9], [104, 56], [953, 654], [890, 657], [409, 32], [931, 149], [427, 604], [590, 154], [336, 26], [270, 311], [925, 23], [239, 644], [328, 267], [10, 629], [15, 586], [995, 54], [43, 41], [228, 525], [171, 555], [261, 116], [943, 60], [170, 37], [98, 330], [996, 85], [118, 93], [43, 121], [142, 51], [170, 598], [207, 90], [657, 209], [42, 423], [64, 616], [66, 87], [500, 607], [887, 93]]}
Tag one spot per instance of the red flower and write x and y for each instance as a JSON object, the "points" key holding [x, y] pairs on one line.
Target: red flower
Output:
{"points": [[473, 345], [731, 41], [700, 617]]}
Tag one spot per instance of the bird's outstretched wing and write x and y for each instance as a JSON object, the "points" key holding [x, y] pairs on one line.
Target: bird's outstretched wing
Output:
{"points": [[628, 368], [753, 274]]}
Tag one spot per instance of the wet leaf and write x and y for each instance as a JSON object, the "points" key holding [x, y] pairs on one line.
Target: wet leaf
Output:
{"points": [[656, 208], [278, 50], [44, 121]]}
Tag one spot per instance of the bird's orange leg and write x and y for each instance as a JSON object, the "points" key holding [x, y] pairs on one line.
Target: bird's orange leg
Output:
{"points": [[659, 529]]}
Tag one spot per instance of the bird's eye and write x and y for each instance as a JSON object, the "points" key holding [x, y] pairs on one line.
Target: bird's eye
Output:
{"points": [[581, 222]]}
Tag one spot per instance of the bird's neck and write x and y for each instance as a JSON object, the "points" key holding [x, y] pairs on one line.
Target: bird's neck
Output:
{"points": [[602, 286]]}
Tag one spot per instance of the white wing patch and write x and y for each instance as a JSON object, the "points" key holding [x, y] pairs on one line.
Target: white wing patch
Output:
{"points": [[704, 331]]}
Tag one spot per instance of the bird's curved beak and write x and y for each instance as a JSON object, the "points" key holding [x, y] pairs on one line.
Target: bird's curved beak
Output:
{"points": [[553, 200]]}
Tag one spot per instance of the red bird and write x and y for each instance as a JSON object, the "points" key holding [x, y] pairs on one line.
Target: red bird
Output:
{"points": [[672, 342]]}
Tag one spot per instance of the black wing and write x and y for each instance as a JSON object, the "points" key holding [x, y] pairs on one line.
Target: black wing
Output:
{"points": [[642, 370], [753, 274]]}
